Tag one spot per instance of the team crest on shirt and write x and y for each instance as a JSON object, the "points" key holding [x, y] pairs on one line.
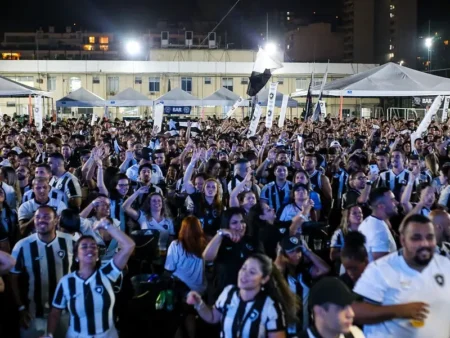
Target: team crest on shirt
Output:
{"points": [[249, 247], [215, 214], [403, 182], [99, 289], [282, 230], [61, 254], [254, 315], [439, 279], [294, 240], [165, 226]]}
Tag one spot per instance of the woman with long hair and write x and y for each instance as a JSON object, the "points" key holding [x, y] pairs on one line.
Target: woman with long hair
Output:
{"points": [[184, 261], [241, 197], [351, 219], [87, 293], [8, 223], [152, 216], [10, 178], [263, 291], [354, 258]]}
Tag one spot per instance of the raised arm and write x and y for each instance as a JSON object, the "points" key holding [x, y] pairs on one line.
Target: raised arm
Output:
{"points": [[129, 201], [234, 202], [125, 164], [187, 184], [407, 191]]}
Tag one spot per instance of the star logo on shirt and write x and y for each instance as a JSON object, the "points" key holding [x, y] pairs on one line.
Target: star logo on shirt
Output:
{"points": [[254, 315], [439, 279], [99, 289], [172, 125], [61, 254]]}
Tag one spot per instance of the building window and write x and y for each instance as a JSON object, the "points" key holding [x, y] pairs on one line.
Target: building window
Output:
{"points": [[74, 84], [227, 82], [302, 83], [104, 48], [153, 84], [51, 83], [104, 40], [88, 47], [446, 42], [96, 80], [186, 84], [207, 81], [40, 81], [138, 80], [391, 47], [92, 39], [280, 81], [392, 7], [391, 55], [288, 18], [112, 85], [391, 15], [244, 80]]}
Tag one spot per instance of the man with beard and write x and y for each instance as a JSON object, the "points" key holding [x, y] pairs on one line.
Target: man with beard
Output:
{"points": [[23, 176], [379, 239], [441, 222], [44, 257], [409, 289], [134, 174], [396, 178]]}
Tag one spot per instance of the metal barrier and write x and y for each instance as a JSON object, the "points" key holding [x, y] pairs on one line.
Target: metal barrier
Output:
{"points": [[410, 113]]}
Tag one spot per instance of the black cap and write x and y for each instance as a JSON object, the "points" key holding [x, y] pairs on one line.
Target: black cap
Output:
{"points": [[300, 185], [331, 290], [290, 243], [147, 153]]}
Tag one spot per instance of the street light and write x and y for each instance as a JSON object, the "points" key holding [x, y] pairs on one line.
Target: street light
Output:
{"points": [[401, 62], [133, 47], [429, 44], [270, 48]]}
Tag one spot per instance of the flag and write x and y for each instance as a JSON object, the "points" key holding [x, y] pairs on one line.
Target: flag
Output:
{"points": [[271, 104], [308, 109], [262, 72], [445, 110], [317, 108], [424, 124], [158, 115], [255, 121], [174, 124], [284, 104]]}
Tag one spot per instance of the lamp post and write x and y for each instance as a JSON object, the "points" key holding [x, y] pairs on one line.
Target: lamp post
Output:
{"points": [[429, 44], [270, 48], [133, 48]]}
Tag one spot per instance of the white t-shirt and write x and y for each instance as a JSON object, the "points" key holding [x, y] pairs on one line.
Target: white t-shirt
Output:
{"points": [[356, 332], [390, 281], [157, 175], [378, 236], [188, 268], [27, 209], [87, 228], [165, 228]]}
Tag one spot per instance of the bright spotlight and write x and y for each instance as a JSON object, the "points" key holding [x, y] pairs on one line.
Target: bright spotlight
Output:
{"points": [[270, 48], [133, 47], [401, 62], [428, 42]]}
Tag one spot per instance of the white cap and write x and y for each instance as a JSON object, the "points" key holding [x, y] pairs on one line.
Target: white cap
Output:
{"points": [[335, 144]]}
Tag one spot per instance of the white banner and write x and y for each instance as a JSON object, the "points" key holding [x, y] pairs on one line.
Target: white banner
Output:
{"points": [[38, 112], [423, 126], [94, 118], [445, 110], [235, 106], [255, 121], [323, 109], [158, 112], [284, 104], [271, 104]]}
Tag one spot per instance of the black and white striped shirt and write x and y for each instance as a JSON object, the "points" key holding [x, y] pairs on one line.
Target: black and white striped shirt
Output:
{"points": [[53, 194], [45, 264], [68, 184], [275, 196], [90, 302], [252, 319], [394, 182]]}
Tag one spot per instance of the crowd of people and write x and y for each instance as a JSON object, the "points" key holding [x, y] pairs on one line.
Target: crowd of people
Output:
{"points": [[330, 229]]}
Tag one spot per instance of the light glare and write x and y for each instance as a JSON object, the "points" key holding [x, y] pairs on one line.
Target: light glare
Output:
{"points": [[133, 47]]}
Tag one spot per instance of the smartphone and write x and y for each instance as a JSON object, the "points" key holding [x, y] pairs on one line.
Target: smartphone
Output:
{"points": [[300, 138], [374, 169]]}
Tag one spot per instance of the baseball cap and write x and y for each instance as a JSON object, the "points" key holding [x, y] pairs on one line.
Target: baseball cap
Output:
{"points": [[331, 290], [300, 185], [335, 144], [290, 243]]}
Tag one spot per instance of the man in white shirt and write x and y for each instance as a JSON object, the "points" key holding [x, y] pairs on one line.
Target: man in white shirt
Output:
{"points": [[441, 222], [379, 239], [407, 293]]}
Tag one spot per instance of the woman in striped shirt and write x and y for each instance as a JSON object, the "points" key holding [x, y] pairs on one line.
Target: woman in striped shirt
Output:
{"points": [[88, 292], [258, 307]]}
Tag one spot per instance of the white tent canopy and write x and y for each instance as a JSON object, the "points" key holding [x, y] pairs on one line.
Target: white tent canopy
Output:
{"points": [[388, 80], [129, 98], [178, 97], [10, 88], [81, 98], [263, 97], [222, 97]]}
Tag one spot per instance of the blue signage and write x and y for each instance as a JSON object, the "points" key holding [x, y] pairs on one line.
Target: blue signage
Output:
{"points": [[177, 110]]}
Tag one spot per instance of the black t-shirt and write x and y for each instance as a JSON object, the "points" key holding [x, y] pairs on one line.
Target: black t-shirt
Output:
{"points": [[208, 215]]}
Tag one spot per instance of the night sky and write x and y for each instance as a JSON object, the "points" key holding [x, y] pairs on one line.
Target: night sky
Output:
{"points": [[137, 15]]}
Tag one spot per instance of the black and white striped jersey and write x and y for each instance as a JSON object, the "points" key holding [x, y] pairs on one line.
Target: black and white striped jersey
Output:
{"points": [[54, 194], [275, 196], [68, 184], [90, 302], [394, 182], [252, 319], [45, 264]]}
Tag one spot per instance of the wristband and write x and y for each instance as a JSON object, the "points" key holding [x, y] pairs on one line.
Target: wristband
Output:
{"points": [[21, 308]]}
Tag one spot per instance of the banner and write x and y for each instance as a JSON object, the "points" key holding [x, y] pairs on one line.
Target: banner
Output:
{"points": [[323, 108], [255, 121], [234, 107], [38, 112], [445, 111], [177, 110], [94, 118], [271, 104], [282, 117], [158, 115]]}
